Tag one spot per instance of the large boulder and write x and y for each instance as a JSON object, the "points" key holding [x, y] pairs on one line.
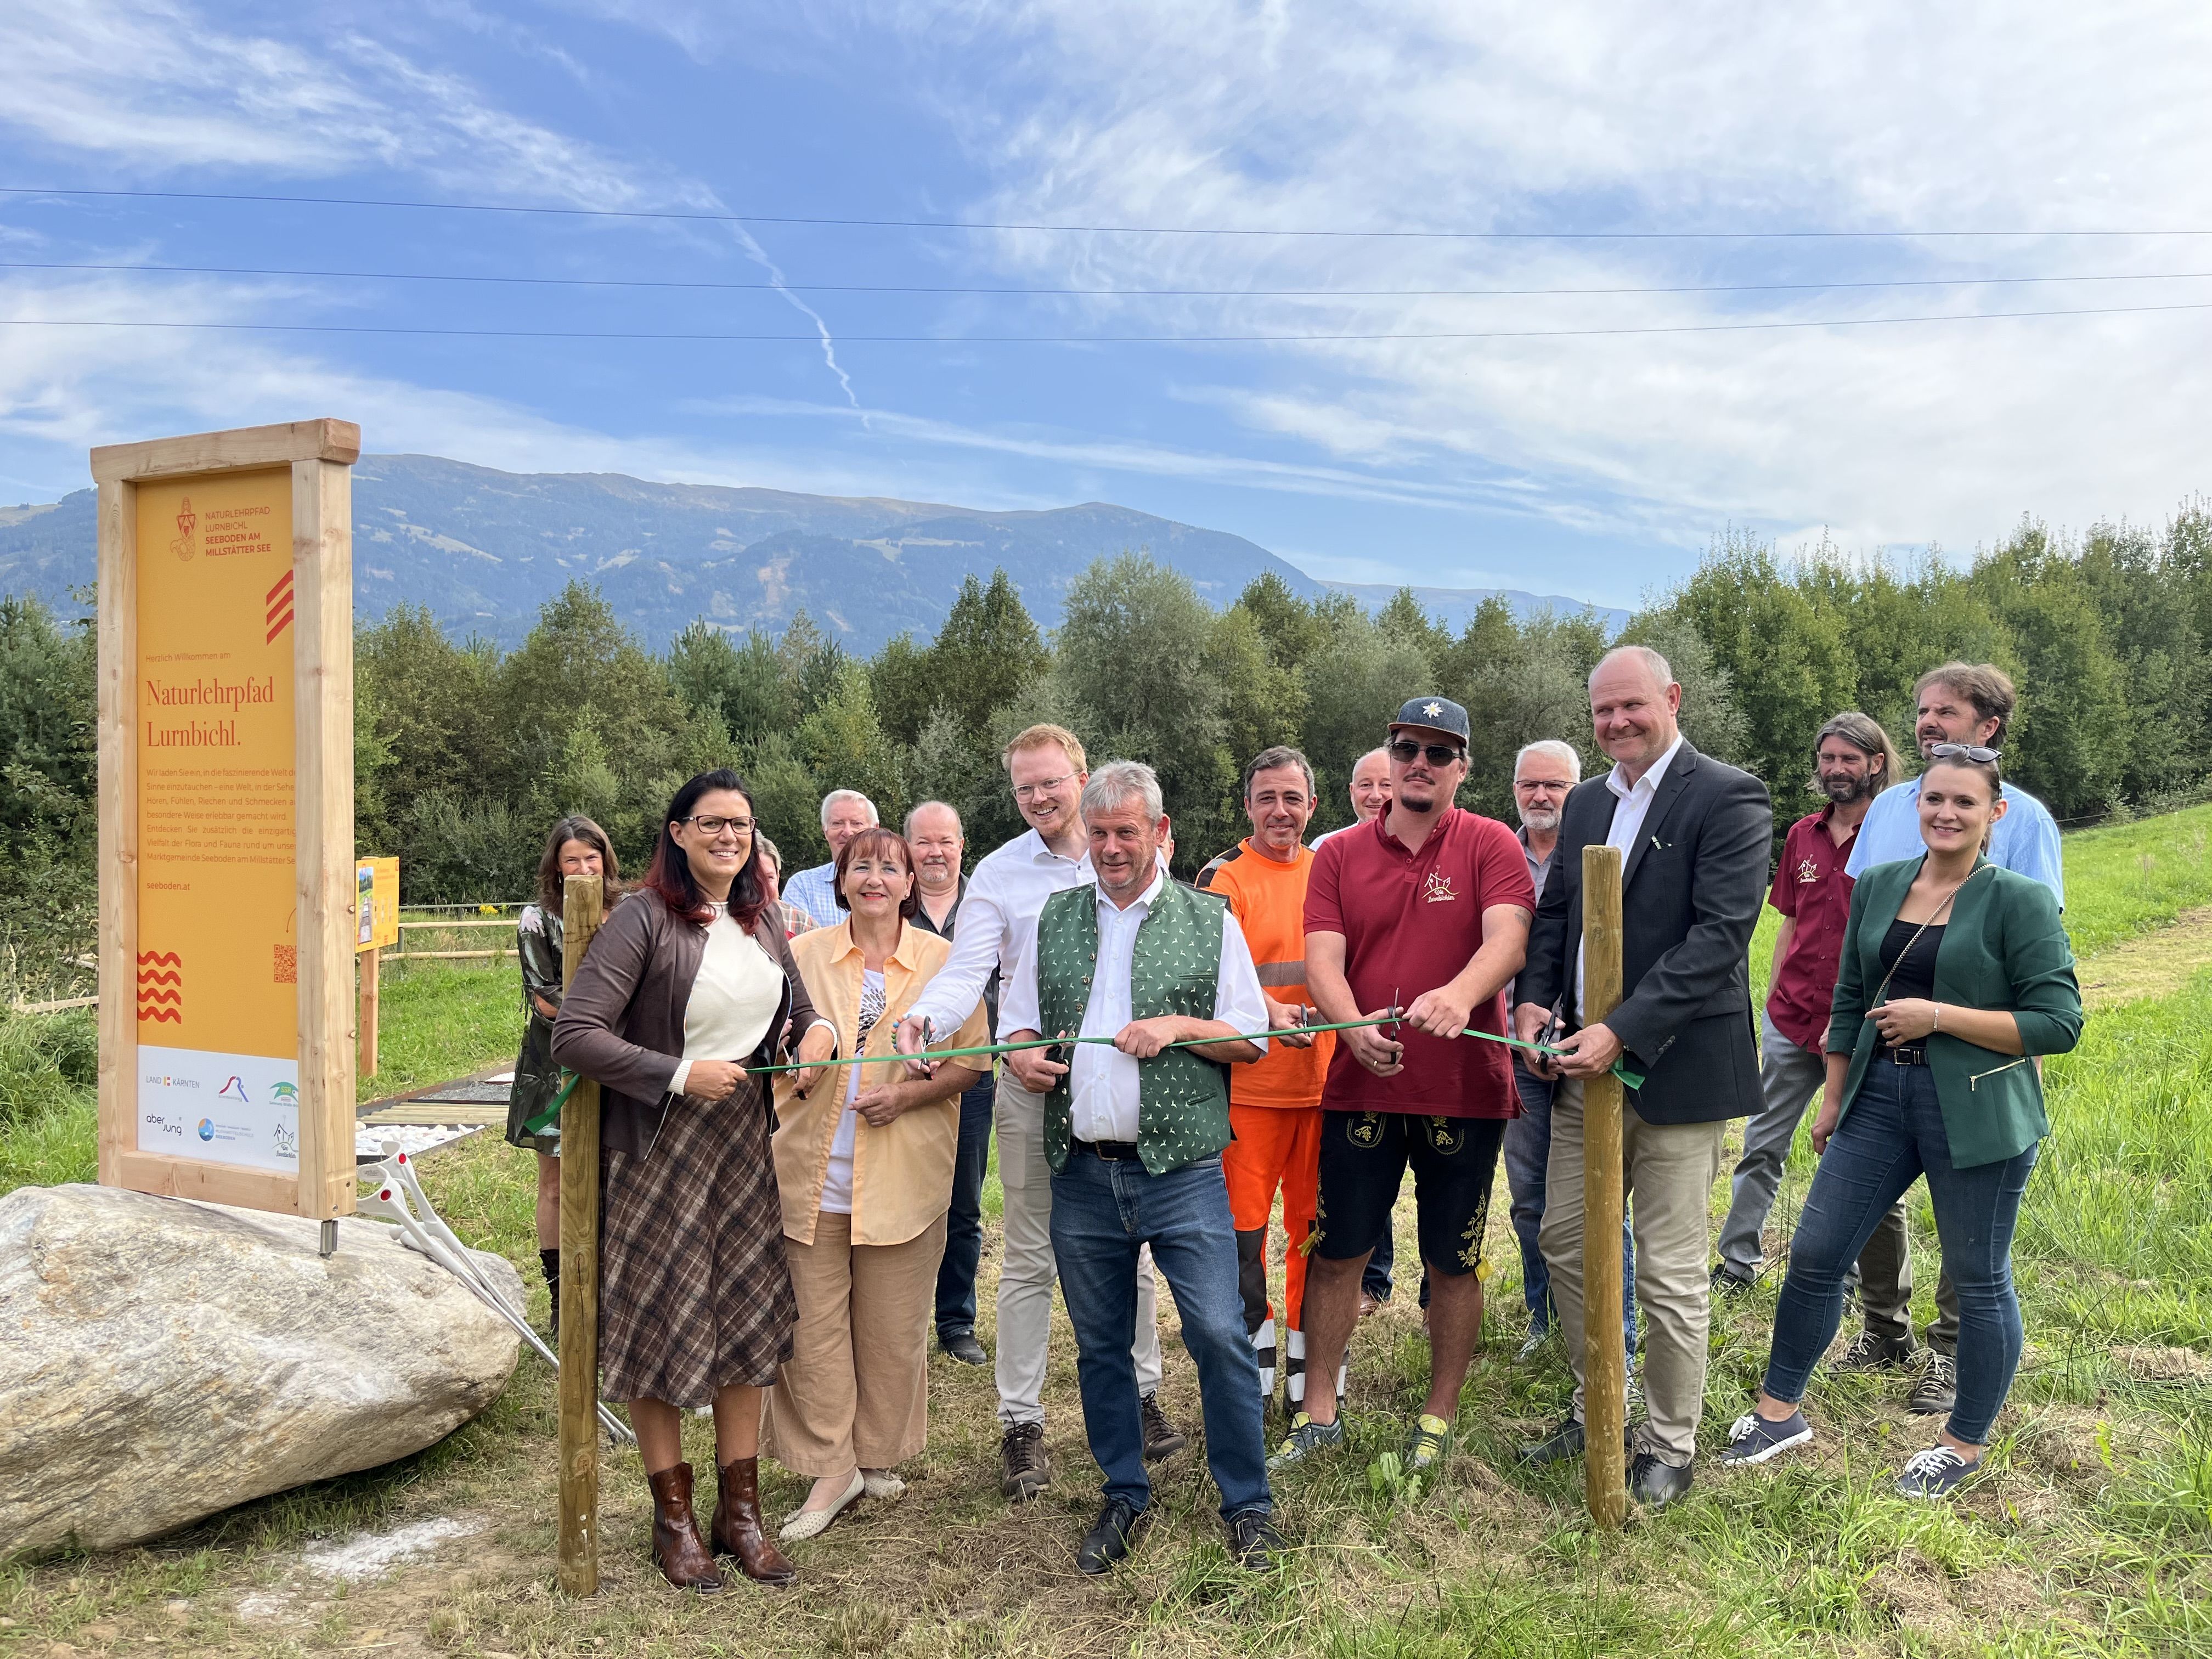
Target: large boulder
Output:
{"points": [[161, 1359]]}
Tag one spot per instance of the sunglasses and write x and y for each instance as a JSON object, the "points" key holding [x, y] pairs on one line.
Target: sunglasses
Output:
{"points": [[1971, 751], [1439, 754]]}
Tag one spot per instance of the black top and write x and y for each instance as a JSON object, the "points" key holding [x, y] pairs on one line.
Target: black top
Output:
{"points": [[1915, 975]]}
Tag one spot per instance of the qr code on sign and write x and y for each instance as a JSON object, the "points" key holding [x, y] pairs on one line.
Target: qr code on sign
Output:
{"points": [[288, 965]]}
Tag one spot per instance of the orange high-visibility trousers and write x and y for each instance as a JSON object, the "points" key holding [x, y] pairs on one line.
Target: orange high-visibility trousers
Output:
{"points": [[1274, 1147]]}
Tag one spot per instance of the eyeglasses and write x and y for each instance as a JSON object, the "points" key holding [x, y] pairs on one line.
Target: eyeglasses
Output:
{"points": [[709, 824], [1974, 752], [1406, 750], [1031, 791]]}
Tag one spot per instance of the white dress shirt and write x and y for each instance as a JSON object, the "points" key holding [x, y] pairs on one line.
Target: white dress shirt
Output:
{"points": [[1632, 806], [1005, 897], [1102, 1081]]}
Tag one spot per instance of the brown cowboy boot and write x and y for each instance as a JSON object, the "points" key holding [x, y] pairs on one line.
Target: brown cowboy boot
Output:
{"points": [[677, 1550], [737, 1528]]}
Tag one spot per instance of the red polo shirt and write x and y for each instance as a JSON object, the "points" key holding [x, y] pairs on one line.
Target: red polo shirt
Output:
{"points": [[1412, 920], [1809, 883]]}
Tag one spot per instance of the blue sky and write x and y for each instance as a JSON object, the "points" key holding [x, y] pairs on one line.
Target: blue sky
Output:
{"points": [[1596, 465]]}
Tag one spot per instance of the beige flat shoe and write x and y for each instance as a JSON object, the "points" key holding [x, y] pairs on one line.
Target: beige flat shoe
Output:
{"points": [[802, 1524], [882, 1483]]}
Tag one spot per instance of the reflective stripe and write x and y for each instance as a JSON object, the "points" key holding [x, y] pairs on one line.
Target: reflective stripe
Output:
{"points": [[1283, 973]]}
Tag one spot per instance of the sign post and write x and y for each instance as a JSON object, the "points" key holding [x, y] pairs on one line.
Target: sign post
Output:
{"points": [[1605, 1379], [583, 907], [227, 886], [376, 919]]}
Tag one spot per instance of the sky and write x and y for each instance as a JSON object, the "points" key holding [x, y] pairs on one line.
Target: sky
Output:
{"points": [[1436, 292]]}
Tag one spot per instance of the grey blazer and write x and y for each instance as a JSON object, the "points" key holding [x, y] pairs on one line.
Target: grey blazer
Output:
{"points": [[1691, 888], [622, 1023]]}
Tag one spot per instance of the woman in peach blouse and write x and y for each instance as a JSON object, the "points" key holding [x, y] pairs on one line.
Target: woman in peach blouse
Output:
{"points": [[866, 1173]]}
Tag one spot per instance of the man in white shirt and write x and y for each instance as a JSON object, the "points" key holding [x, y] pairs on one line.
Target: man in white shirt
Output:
{"points": [[1370, 790], [998, 911], [1155, 981], [845, 813]]}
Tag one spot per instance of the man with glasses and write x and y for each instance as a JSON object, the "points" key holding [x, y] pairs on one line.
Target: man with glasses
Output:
{"points": [[1544, 775], [1969, 704], [999, 914], [1427, 906], [845, 813]]}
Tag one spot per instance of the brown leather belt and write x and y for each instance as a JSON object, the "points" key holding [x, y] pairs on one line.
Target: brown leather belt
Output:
{"points": [[1114, 1151]]}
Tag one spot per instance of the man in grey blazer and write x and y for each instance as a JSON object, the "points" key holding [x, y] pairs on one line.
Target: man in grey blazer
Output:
{"points": [[1695, 837]]}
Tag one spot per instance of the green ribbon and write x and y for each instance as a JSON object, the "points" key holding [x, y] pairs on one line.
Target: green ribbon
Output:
{"points": [[538, 1123]]}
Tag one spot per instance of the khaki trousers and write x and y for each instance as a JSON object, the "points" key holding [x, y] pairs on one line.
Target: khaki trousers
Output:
{"points": [[1669, 1170], [855, 1392]]}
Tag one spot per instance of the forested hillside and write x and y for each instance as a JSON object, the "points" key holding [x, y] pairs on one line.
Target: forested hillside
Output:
{"points": [[465, 752]]}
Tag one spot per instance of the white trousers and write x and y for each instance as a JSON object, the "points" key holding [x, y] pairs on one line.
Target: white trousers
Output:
{"points": [[1028, 1271]]}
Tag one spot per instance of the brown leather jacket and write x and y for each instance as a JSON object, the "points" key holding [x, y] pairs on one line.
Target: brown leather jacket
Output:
{"points": [[622, 1022]]}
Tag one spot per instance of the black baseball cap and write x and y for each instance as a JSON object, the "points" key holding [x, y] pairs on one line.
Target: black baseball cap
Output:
{"points": [[1436, 714]]}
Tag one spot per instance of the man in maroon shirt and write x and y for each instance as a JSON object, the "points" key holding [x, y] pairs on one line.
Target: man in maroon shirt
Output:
{"points": [[1855, 762], [1426, 906]]}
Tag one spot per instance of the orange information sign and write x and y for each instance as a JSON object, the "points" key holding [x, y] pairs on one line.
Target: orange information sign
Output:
{"points": [[226, 877], [376, 885], [218, 970]]}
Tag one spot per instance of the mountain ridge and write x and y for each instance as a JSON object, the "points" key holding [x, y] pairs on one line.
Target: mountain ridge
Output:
{"points": [[485, 548]]}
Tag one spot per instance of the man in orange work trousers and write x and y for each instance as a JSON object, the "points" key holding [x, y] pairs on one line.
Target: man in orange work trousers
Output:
{"points": [[1275, 1103]]}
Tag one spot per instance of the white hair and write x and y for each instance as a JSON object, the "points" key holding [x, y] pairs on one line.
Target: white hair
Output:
{"points": [[1662, 673], [921, 807], [1557, 749], [830, 801], [1118, 782]]}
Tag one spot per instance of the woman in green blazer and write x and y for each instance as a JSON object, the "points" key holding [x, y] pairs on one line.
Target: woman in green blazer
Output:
{"points": [[1955, 975]]}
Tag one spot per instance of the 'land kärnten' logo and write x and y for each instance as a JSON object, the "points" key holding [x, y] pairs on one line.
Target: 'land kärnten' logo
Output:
{"points": [[185, 545]]}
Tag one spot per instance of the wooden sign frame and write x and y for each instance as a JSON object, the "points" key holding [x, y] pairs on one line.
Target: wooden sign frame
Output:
{"points": [[319, 455]]}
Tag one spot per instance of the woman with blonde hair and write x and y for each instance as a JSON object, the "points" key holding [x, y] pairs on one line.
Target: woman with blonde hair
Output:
{"points": [[690, 983], [575, 847], [865, 1172]]}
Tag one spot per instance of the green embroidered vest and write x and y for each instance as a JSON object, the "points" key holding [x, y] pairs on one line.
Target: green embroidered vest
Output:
{"points": [[1182, 1112]]}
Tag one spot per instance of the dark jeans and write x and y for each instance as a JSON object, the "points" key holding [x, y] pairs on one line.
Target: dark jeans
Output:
{"points": [[1528, 1149], [1103, 1211], [963, 1223], [1892, 1134]]}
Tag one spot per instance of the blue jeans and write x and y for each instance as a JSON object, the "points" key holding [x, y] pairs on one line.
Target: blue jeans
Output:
{"points": [[1892, 1134], [963, 1223], [1527, 1150], [1103, 1211]]}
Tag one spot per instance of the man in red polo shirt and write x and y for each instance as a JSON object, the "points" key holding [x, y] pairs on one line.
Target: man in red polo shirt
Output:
{"points": [[1854, 762], [1428, 907]]}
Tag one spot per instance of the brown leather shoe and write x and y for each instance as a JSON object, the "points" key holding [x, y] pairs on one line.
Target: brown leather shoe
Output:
{"points": [[677, 1550], [739, 1530]]}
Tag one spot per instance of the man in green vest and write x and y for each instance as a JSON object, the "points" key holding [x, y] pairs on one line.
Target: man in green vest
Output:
{"points": [[1132, 962]]}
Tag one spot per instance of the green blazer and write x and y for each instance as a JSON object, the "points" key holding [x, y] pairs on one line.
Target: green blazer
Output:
{"points": [[2003, 947]]}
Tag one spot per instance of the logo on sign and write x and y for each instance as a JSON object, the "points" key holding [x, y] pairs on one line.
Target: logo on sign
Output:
{"points": [[186, 543], [235, 1087], [284, 1094], [207, 1128]]}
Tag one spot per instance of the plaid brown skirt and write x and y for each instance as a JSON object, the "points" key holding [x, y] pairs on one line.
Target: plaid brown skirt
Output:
{"points": [[694, 1290]]}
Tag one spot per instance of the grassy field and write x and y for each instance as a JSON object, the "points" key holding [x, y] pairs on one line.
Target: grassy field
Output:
{"points": [[2094, 1537]]}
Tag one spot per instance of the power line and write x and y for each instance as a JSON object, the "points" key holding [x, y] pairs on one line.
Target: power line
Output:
{"points": [[1081, 339], [1108, 230], [1121, 293]]}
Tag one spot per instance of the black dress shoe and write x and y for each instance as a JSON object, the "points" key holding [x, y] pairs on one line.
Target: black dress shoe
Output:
{"points": [[1162, 1437], [963, 1347], [1120, 1525], [1655, 1485], [1254, 1543], [1563, 1442]]}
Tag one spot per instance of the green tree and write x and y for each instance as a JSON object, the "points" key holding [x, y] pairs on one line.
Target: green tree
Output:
{"points": [[1354, 684], [744, 685], [986, 655], [1288, 625]]}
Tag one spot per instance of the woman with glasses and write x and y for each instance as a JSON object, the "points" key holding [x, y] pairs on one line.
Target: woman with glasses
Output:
{"points": [[685, 986], [1955, 974], [864, 1168], [576, 847]]}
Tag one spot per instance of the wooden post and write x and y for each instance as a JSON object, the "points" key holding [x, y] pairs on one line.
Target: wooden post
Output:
{"points": [[371, 960], [1605, 1380], [583, 905]]}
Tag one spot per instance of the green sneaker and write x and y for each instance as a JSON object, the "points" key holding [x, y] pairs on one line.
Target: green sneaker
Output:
{"points": [[1305, 1438], [1428, 1445]]}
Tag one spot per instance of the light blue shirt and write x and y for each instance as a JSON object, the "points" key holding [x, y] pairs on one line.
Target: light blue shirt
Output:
{"points": [[2024, 840], [815, 891]]}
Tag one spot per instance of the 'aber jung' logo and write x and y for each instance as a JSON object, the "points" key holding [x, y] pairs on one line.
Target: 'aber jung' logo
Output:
{"points": [[184, 546]]}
